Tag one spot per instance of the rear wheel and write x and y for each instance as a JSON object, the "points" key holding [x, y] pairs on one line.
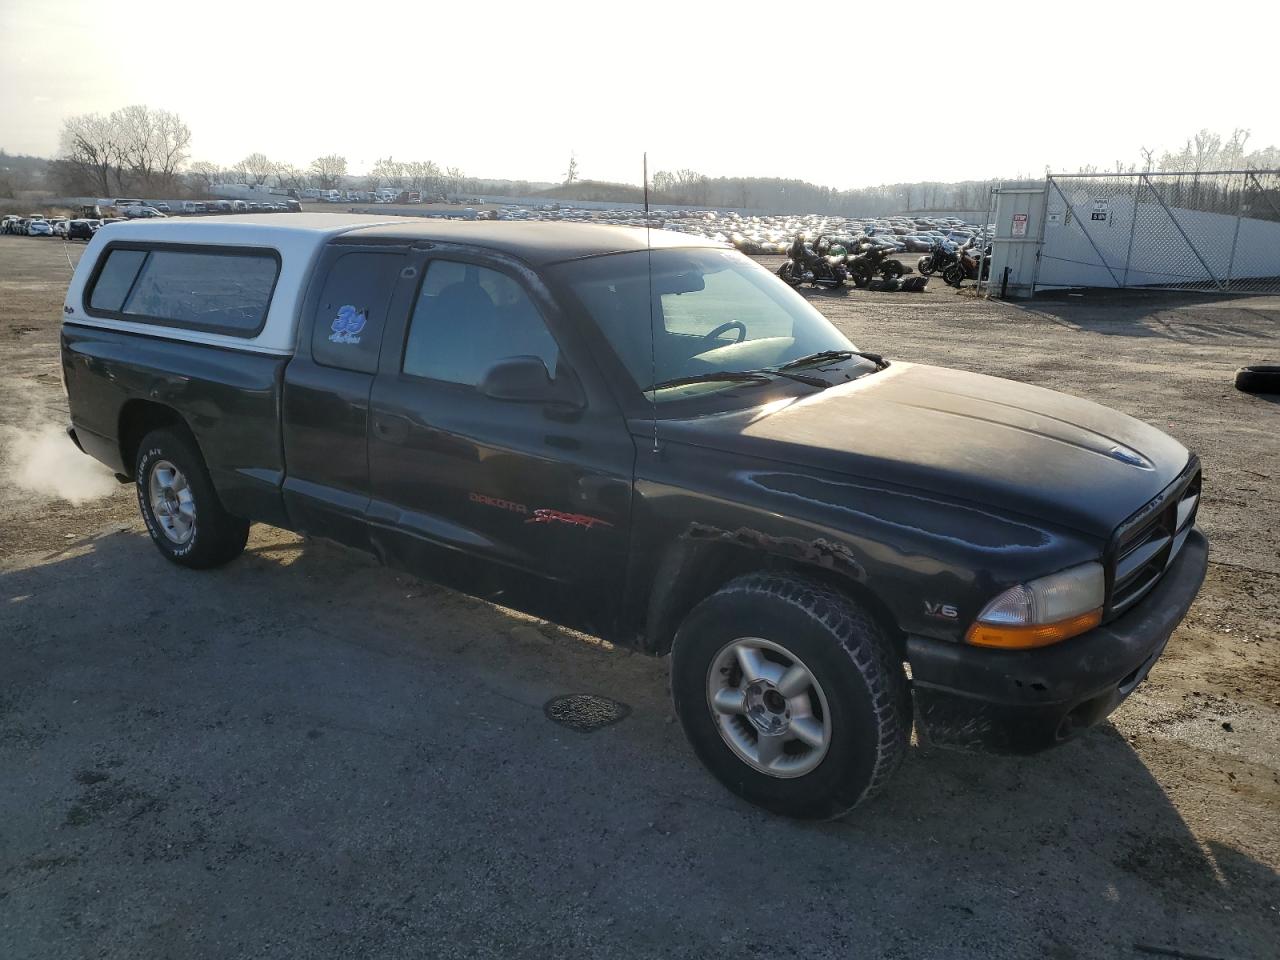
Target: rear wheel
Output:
{"points": [[790, 695], [891, 270], [182, 511]]}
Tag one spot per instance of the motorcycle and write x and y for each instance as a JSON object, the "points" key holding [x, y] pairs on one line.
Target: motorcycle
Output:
{"points": [[821, 265], [966, 265], [873, 258], [939, 257]]}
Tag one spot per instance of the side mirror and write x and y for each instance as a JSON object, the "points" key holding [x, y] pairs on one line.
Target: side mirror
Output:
{"points": [[525, 380]]}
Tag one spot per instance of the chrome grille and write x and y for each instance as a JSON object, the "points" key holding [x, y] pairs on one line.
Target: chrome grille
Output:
{"points": [[1146, 544]]}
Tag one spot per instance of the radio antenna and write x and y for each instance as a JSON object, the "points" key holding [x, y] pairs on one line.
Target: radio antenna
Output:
{"points": [[653, 349]]}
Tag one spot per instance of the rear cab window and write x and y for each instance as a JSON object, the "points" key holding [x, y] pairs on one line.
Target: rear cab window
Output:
{"points": [[211, 289], [352, 311]]}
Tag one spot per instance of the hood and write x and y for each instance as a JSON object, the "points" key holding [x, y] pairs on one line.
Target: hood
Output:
{"points": [[965, 436]]}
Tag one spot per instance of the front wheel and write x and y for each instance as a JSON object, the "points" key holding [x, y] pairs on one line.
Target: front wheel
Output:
{"points": [[182, 511], [953, 276], [790, 695], [925, 266], [786, 273], [891, 270]]}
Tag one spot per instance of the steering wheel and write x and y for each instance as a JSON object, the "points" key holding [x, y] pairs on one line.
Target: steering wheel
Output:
{"points": [[730, 325]]}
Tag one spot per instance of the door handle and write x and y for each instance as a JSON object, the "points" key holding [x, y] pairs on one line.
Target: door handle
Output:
{"points": [[391, 428]]}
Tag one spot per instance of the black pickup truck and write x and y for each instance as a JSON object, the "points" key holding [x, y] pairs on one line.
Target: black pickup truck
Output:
{"points": [[654, 440]]}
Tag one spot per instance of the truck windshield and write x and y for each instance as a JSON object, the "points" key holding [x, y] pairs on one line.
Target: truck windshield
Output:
{"points": [[715, 312]]}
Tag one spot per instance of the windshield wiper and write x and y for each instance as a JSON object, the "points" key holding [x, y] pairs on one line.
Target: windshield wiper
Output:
{"points": [[825, 356], [820, 357], [802, 378], [714, 376]]}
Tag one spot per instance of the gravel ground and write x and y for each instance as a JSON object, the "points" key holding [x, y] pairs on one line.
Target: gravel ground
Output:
{"points": [[305, 755]]}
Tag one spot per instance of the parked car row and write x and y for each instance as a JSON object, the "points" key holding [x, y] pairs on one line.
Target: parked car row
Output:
{"points": [[240, 206], [32, 226], [759, 234], [68, 228], [773, 234], [384, 195]]}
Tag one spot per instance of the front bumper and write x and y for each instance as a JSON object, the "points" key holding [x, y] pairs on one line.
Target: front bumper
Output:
{"points": [[1027, 700]]}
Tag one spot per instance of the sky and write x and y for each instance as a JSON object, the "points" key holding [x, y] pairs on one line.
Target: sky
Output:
{"points": [[843, 94]]}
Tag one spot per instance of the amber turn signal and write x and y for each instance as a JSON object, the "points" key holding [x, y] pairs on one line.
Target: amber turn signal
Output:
{"points": [[1022, 637]]}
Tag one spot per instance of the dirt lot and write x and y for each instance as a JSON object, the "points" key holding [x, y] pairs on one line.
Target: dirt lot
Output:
{"points": [[305, 755]]}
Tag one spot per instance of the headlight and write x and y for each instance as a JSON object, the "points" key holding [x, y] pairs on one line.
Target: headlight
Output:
{"points": [[1044, 611]]}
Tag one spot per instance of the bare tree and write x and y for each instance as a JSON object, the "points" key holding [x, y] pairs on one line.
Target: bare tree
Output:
{"points": [[329, 170], [206, 174], [255, 169], [691, 186], [454, 177], [422, 175], [389, 171], [89, 144], [1233, 152], [289, 177], [571, 175], [152, 144]]}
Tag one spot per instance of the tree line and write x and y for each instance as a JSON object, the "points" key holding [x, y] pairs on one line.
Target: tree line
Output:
{"points": [[1197, 182], [145, 151], [688, 187], [142, 150]]}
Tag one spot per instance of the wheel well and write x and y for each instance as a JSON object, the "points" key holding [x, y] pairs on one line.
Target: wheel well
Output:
{"points": [[137, 419], [694, 571]]}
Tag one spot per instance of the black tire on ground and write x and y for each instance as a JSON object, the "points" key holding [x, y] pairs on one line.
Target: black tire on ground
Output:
{"points": [[925, 265], [891, 270], [953, 275], [1258, 379], [786, 274], [854, 664], [216, 537], [860, 274]]}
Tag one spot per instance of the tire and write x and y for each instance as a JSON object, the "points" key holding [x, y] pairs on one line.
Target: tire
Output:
{"points": [[1258, 379], [891, 270], [953, 276], [182, 511], [860, 274], [786, 274], [855, 709], [925, 266]]}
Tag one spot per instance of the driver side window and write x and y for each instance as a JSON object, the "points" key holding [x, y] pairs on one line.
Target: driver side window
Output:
{"points": [[468, 318]]}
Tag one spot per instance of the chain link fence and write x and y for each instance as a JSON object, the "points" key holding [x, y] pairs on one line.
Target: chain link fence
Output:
{"points": [[1213, 231]]}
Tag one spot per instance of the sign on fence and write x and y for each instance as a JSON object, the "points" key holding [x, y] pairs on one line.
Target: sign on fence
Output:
{"points": [[1019, 224], [1099, 209]]}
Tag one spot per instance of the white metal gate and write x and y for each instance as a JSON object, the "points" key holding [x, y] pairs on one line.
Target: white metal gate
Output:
{"points": [[1212, 230]]}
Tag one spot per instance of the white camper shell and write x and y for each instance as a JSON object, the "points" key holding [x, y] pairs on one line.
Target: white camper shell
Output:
{"points": [[294, 243]]}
